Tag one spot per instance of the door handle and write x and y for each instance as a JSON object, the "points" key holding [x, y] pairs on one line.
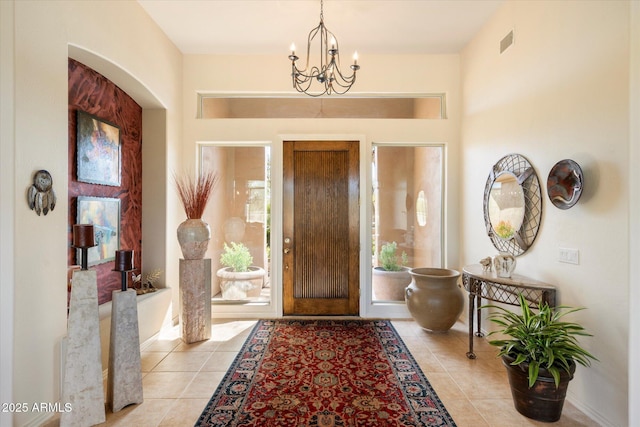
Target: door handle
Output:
{"points": [[287, 250]]}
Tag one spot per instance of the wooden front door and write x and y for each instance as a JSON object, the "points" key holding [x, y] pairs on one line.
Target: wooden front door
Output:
{"points": [[321, 239]]}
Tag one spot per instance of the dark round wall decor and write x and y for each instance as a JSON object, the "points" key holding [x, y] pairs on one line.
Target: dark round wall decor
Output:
{"points": [[565, 183]]}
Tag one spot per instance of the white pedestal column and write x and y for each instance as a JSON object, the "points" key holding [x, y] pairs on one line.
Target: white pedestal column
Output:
{"points": [[83, 387], [124, 384], [195, 299]]}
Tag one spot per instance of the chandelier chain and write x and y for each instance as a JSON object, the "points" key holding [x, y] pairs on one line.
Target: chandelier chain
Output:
{"points": [[327, 78]]}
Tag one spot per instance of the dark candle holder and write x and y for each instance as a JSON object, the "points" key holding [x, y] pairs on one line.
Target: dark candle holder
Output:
{"points": [[83, 239], [124, 264]]}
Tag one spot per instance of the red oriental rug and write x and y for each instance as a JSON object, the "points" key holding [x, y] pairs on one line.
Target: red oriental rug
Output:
{"points": [[324, 373]]}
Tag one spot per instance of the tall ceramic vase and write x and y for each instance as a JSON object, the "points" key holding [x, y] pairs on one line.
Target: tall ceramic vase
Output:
{"points": [[194, 236], [433, 298]]}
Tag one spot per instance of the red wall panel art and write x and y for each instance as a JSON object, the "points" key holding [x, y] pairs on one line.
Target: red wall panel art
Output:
{"points": [[91, 92]]}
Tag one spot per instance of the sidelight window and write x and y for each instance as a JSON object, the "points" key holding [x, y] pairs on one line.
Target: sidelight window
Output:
{"points": [[239, 213], [407, 212]]}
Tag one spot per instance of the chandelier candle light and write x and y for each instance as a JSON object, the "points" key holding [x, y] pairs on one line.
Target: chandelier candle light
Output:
{"points": [[328, 76]]}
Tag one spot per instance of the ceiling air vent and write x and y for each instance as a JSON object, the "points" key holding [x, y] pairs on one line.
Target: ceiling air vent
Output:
{"points": [[506, 41]]}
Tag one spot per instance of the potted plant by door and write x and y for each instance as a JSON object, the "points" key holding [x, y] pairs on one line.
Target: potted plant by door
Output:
{"points": [[391, 277], [540, 352], [238, 278]]}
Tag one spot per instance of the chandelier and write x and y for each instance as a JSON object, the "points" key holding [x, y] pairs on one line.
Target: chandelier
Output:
{"points": [[325, 78]]}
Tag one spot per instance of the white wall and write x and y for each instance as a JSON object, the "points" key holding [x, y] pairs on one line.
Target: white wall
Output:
{"points": [[7, 197], [634, 252], [137, 57], [561, 91]]}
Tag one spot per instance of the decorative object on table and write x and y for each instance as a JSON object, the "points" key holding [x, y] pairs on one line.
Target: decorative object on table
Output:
{"points": [[565, 183], [504, 264], [143, 285], [124, 382], [193, 233], [433, 298], [512, 205], [371, 380], [327, 74], [104, 214], [486, 263], [540, 355], [83, 239], [83, 384], [98, 150], [238, 278], [391, 277], [40, 195]]}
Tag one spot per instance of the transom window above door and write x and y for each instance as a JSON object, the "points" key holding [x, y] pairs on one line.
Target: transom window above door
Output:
{"points": [[391, 107]]}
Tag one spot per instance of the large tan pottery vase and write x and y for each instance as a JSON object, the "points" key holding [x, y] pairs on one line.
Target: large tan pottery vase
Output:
{"points": [[433, 298], [194, 236]]}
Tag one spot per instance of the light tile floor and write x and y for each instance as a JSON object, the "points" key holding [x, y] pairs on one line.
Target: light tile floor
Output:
{"points": [[179, 379]]}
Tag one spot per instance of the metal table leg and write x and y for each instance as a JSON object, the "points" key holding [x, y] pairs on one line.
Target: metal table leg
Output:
{"points": [[470, 353], [479, 316]]}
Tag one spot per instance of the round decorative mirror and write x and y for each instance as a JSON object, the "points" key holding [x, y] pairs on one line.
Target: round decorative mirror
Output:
{"points": [[512, 205], [506, 205]]}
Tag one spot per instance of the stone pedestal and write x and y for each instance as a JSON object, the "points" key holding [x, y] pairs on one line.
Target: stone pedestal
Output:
{"points": [[195, 299], [83, 387], [124, 384]]}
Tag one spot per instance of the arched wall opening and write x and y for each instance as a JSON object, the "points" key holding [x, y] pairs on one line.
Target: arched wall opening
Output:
{"points": [[155, 179]]}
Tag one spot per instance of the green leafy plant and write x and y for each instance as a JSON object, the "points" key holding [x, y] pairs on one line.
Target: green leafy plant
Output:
{"points": [[389, 259], [542, 339], [236, 256]]}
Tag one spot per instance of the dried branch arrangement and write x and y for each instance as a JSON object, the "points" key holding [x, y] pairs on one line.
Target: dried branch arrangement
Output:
{"points": [[194, 194]]}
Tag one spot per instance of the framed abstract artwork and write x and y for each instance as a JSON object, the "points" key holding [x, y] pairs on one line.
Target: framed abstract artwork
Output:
{"points": [[98, 150], [104, 214]]}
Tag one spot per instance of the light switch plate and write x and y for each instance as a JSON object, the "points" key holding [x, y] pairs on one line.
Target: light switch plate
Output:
{"points": [[568, 255]]}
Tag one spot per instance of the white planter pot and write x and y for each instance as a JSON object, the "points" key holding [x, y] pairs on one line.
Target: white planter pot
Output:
{"points": [[241, 285]]}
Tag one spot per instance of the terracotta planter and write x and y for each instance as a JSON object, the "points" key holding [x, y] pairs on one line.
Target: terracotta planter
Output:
{"points": [[390, 285], [239, 285], [194, 236], [433, 298], [543, 401]]}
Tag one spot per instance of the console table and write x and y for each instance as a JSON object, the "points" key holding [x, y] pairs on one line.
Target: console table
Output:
{"points": [[486, 284]]}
